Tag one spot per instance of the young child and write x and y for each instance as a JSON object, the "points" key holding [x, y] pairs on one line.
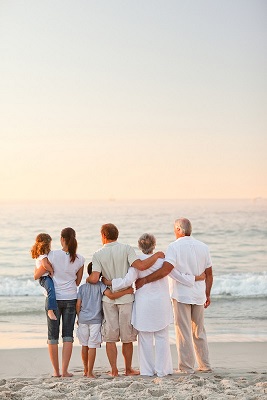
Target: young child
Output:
{"points": [[90, 315], [39, 252]]}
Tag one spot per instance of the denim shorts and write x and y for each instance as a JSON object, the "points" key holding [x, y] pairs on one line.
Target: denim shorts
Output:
{"points": [[66, 314]]}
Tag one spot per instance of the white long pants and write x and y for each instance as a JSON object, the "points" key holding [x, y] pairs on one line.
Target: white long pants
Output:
{"points": [[156, 360]]}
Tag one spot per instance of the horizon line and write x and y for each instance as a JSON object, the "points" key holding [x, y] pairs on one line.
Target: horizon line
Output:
{"points": [[113, 199]]}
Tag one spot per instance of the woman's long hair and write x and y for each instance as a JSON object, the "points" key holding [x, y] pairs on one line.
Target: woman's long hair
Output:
{"points": [[41, 245], [69, 235]]}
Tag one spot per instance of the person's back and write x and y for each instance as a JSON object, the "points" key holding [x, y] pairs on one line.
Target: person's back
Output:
{"points": [[153, 287], [65, 273], [189, 256], [152, 309], [91, 303], [113, 258], [113, 261]]}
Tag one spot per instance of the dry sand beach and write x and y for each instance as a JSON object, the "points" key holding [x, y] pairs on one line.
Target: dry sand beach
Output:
{"points": [[239, 372]]}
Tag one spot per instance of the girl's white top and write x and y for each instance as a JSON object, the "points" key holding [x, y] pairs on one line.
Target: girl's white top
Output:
{"points": [[65, 274], [38, 262], [152, 308]]}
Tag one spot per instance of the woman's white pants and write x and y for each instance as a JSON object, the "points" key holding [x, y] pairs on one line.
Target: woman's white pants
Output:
{"points": [[155, 359]]}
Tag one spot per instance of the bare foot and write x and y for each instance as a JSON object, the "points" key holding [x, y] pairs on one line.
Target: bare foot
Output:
{"points": [[51, 315], [182, 371], [67, 375], [90, 376], [56, 374], [113, 373], [85, 372], [132, 372], [204, 370]]}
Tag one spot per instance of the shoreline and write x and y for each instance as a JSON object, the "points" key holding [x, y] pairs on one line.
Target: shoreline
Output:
{"points": [[239, 371], [224, 356]]}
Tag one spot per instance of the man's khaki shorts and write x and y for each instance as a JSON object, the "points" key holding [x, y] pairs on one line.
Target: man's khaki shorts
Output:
{"points": [[117, 323]]}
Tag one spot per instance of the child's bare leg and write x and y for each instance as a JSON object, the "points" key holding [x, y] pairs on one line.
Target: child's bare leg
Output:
{"points": [[85, 360], [51, 315], [91, 361]]}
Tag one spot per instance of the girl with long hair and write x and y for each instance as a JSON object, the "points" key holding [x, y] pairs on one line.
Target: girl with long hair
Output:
{"points": [[39, 252]]}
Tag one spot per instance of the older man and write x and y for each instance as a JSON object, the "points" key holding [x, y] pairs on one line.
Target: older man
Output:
{"points": [[189, 256], [113, 261]]}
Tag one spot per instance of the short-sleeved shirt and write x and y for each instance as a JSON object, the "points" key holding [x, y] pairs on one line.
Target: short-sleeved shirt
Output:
{"points": [[189, 256], [38, 262], [91, 306], [65, 273], [113, 261]]}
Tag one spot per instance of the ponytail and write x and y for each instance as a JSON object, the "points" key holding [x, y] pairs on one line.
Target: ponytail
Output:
{"points": [[70, 237]]}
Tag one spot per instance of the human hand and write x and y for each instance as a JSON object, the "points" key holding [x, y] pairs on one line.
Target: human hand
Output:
{"points": [[140, 282], [207, 302], [129, 290], [201, 277], [106, 281], [160, 254]]}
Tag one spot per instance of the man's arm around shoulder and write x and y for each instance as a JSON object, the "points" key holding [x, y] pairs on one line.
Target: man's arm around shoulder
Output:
{"points": [[159, 274], [142, 265], [164, 271]]}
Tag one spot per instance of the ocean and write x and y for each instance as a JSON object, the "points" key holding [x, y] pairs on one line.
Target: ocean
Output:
{"points": [[234, 230]]}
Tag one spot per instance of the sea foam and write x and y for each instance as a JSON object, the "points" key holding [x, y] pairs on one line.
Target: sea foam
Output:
{"points": [[236, 285], [240, 285]]}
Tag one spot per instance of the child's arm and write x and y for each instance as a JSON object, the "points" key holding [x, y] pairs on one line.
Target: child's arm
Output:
{"points": [[115, 295], [38, 272], [44, 267], [78, 309], [47, 266], [78, 306]]}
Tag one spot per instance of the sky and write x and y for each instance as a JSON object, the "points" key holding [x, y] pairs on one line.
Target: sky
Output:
{"points": [[140, 99]]}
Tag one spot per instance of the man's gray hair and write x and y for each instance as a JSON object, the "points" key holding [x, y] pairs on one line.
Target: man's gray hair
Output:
{"points": [[185, 225], [147, 243]]}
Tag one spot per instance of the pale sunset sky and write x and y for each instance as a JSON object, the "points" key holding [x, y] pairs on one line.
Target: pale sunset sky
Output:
{"points": [[133, 99]]}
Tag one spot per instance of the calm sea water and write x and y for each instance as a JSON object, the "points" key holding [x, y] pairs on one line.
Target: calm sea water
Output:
{"points": [[235, 231]]}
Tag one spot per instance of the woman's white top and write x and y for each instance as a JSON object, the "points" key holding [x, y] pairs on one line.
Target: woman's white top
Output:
{"points": [[152, 308], [65, 274]]}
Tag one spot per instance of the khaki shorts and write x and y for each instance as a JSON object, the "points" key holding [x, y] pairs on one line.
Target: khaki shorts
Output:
{"points": [[117, 323]]}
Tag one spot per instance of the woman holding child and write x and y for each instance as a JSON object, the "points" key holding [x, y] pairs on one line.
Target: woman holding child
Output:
{"points": [[68, 272]]}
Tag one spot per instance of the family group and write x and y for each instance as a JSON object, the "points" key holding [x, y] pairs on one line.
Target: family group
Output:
{"points": [[168, 288]]}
